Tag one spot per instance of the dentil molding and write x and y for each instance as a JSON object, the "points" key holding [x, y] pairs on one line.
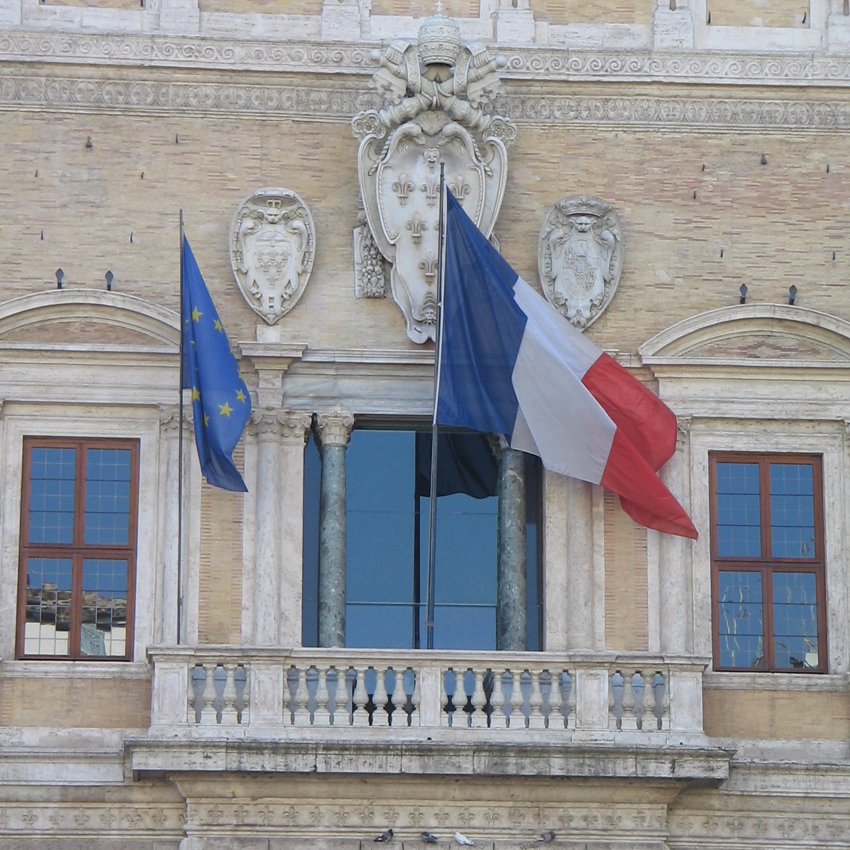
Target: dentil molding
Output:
{"points": [[48, 93], [529, 63]]}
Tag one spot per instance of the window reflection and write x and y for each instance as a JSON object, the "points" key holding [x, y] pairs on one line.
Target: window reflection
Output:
{"points": [[387, 519]]}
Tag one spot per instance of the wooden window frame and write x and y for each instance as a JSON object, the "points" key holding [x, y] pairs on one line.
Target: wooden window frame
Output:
{"points": [[766, 565], [77, 550]]}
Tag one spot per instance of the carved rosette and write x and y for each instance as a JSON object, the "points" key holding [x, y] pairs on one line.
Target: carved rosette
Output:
{"points": [[580, 257], [272, 244], [435, 90]]}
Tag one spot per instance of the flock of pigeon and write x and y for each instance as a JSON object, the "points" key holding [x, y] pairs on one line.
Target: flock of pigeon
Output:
{"points": [[460, 839]]}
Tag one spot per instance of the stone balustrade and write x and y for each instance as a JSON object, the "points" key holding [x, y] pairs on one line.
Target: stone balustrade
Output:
{"points": [[209, 691]]}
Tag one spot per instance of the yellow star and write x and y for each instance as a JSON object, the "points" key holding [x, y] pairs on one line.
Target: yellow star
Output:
{"points": [[240, 395], [239, 375], [196, 395], [196, 314], [206, 420], [217, 325], [225, 409]]}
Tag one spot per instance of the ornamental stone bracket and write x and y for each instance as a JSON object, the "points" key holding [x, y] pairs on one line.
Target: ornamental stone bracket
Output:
{"points": [[272, 361], [435, 93]]}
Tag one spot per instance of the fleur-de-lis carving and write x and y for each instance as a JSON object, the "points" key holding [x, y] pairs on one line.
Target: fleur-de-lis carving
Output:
{"points": [[491, 817], [288, 816], [431, 188], [403, 187], [416, 226], [442, 817], [240, 815], [29, 817], [460, 188], [266, 815], [341, 816], [108, 817], [429, 266], [466, 816], [415, 816], [81, 819]]}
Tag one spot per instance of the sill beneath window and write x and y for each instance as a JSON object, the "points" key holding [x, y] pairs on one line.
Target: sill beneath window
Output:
{"points": [[716, 680], [57, 669]]}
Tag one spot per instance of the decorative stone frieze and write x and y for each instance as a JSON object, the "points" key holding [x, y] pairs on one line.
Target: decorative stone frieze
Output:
{"points": [[272, 244], [580, 257], [435, 92]]}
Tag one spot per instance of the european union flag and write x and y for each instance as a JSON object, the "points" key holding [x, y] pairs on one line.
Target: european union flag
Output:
{"points": [[220, 398]]}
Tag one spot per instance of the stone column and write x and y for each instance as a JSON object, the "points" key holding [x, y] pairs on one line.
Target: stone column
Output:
{"points": [[511, 613], [268, 429], [674, 555], [580, 595], [334, 431]]}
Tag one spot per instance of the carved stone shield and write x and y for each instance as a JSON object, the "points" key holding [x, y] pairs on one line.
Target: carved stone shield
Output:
{"points": [[272, 243], [580, 257]]}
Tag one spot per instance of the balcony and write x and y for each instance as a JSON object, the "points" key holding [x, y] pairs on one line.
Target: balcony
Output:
{"points": [[245, 708]]}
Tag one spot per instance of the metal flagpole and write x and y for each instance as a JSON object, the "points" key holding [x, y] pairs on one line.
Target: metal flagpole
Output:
{"points": [[180, 457], [432, 513]]}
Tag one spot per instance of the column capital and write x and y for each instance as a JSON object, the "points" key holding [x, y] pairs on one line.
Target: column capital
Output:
{"points": [[334, 428], [169, 417], [286, 425], [683, 430]]}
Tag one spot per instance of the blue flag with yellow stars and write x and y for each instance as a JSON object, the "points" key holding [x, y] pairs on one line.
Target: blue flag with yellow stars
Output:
{"points": [[220, 399]]}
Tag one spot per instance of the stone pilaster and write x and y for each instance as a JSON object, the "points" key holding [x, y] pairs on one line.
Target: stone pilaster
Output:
{"points": [[580, 595], [674, 555], [334, 431], [512, 615], [169, 454]]}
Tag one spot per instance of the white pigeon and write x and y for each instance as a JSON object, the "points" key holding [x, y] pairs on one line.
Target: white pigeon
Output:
{"points": [[463, 840]]}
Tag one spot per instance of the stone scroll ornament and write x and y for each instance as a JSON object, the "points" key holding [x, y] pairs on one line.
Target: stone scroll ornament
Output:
{"points": [[435, 92], [580, 257], [272, 244]]}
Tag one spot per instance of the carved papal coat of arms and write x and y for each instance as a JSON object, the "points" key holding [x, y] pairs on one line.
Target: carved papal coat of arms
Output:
{"points": [[580, 257], [272, 243], [435, 90]]}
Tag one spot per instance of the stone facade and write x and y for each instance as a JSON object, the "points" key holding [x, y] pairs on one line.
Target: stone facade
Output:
{"points": [[719, 131]]}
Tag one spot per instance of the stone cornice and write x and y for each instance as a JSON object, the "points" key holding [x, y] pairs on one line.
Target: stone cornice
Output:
{"points": [[53, 93], [529, 63]]}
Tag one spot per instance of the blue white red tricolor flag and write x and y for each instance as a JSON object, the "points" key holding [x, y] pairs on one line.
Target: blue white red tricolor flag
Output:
{"points": [[510, 364]]}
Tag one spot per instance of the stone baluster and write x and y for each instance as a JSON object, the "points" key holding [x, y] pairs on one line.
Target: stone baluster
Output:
{"points": [[380, 698], [228, 713], [662, 700], [197, 683], [334, 431], [322, 716], [208, 718], [415, 698], [399, 698], [360, 697], [511, 611], [498, 719], [301, 715], [639, 691], [615, 700], [556, 718], [536, 718], [517, 718], [478, 718], [628, 721], [649, 720], [570, 697], [446, 717]]}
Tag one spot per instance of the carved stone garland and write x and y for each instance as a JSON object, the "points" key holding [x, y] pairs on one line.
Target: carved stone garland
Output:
{"points": [[580, 257], [435, 90]]}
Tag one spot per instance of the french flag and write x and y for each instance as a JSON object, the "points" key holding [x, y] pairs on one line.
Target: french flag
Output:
{"points": [[511, 364]]}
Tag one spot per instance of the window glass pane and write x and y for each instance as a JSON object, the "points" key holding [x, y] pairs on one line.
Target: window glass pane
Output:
{"points": [[381, 626], [463, 627], [47, 625], [107, 516], [380, 511], [795, 620], [104, 611], [740, 619], [51, 506], [792, 510], [738, 512]]}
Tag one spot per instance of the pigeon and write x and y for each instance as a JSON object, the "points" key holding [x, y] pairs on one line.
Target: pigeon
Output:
{"points": [[428, 838], [547, 837], [463, 840], [385, 836]]}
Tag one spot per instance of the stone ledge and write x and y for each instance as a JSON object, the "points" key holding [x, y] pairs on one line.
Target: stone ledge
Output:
{"points": [[709, 765]]}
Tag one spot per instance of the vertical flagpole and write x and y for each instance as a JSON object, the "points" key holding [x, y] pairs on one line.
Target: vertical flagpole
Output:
{"points": [[180, 457], [438, 348]]}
